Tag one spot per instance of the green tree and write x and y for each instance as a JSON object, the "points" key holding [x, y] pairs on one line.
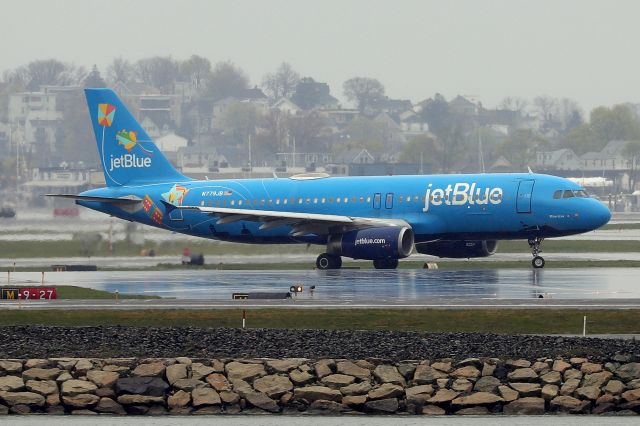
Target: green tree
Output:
{"points": [[521, 146], [159, 72], [75, 136], [422, 149], [364, 133], [583, 139], [226, 80], [240, 121], [196, 70], [617, 123], [363, 91]]}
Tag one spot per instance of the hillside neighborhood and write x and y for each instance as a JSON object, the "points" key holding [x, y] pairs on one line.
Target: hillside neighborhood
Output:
{"points": [[212, 123]]}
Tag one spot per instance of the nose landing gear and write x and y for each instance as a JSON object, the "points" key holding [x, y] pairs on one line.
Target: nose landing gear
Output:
{"points": [[534, 244]]}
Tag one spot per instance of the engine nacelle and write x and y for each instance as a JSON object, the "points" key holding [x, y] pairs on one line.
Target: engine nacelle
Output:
{"points": [[459, 249], [389, 242]]}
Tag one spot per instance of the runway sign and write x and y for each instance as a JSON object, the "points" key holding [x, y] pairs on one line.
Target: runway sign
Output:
{"points": [[29, 293]]}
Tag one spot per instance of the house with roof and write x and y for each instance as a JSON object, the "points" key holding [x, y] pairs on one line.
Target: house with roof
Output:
{"points": [[611, 157], [465, 105], [560, 159], [200, 159], [287, 106]]}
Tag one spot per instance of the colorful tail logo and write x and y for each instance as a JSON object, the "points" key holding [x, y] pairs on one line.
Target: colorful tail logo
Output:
{"points": [[129, 139]]}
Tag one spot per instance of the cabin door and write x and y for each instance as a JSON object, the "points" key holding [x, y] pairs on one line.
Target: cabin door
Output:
{"points": [[525, 191]]}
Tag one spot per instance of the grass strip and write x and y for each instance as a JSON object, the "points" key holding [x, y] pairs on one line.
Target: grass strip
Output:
{"points": [[508, 321]]}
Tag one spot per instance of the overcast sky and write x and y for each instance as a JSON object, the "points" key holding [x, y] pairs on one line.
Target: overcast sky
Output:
{"points": [[585, 50]]}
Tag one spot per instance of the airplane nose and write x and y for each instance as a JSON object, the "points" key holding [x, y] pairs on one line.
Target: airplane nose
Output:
{"points": [[601, 215]]}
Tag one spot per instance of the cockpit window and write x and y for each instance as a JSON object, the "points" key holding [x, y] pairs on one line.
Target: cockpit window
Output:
{"points": [[568, 194], [581, 193], [557, 194]]}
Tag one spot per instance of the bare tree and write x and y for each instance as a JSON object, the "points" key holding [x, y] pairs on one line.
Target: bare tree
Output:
{"points": [[514, 103], [120, 70], [158, 71], [546, 106], [363, 91], [281, 83]]}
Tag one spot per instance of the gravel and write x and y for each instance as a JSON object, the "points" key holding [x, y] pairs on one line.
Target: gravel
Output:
{"points": [[42, 342]]}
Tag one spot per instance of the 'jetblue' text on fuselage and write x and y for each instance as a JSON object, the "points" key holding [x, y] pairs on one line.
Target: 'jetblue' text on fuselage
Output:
{"points": [[460, 194]]}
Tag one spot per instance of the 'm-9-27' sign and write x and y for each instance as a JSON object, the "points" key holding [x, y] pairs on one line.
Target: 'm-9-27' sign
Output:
{"points": [[29, 293]]}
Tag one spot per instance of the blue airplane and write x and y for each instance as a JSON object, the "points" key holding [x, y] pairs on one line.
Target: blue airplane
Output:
{"points": [[378, 218]]}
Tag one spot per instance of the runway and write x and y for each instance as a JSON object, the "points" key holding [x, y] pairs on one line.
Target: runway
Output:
{"points": [[497, 288]]}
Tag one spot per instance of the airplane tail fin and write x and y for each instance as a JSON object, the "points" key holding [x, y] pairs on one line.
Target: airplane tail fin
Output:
{"points": [[127, 153]]}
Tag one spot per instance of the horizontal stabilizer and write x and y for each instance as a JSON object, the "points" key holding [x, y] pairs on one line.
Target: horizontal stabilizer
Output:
{"points": [[116, 200]]}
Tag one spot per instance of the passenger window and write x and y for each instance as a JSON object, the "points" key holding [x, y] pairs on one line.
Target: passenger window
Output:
{"points": [[277, 200], [315, 201], [401, 198], [233, 202], [337, 199], [330, 200], [299, 200], [239, 202], [557, 194], [224, 202], [323, 200], [285, 201], [346, 200], [368, 199], [415, 198], [362, 199], [568, 194], [308, 200], [353, 199]]}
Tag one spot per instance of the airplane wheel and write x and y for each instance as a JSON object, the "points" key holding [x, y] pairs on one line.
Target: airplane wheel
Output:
{"points": [[385, 263], [326, 261], [538, 262]]}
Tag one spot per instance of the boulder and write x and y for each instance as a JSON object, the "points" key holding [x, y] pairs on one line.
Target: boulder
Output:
{"points": [[466, 372], [443, 396], [217, 365], [77, 387], [179, 399], [518, 363], [218, 381], [631, 395], [433, 410], [82, 400], [82, 366], [388, 406], [351, 369], [529, 406], [22, 398], [129, 399], [560, 366], [312, 393], [385, 391], [41, 373], [407, 370], [549, 392], [273, 386], [228, 397], [109, 406], [176, 372], [541, 367], [247, 372], [52, 399], [388, 374], [487, 384], [153, 386], [590, 368], [425, 375], [361, 388], [526, 389], [488, 369], [63, 377], [443, 366], [476, 362], [551, 378], [507, 393], [184, 360], [462, 385], [354, 401], [588, 392], [572, 373], [473, 411], [10, 367], [324, 367], [43, 387], [614, 387], [152, 369], [284, 365], [262, 401], [325, 407], [199, 370], [20, 409], [188, 384], [337, 380], [103, 379], [205, 396], [300, 377], [569, 404], [11, 383], [37, 363], [603, 408], [418, 390], [523, 375], [476, 399], [569, 387], [578, 360], [597, 379], [629, 371]]}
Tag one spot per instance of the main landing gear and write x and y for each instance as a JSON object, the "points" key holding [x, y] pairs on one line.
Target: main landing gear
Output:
{"points": [[328, 261], [534, 244]]}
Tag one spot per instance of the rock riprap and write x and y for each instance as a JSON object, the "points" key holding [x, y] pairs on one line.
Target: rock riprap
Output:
{"points": [[183, 386]]}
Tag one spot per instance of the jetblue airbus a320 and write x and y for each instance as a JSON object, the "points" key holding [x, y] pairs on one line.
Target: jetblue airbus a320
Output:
{"points": [[380, 218]]}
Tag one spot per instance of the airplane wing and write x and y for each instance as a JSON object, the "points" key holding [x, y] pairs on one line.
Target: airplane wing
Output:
{"points": [[302, 223], [115, 200]]}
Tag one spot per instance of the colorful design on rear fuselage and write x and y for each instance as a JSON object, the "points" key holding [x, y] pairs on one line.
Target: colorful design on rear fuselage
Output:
{"points": [[106, 112], [175, 195]]}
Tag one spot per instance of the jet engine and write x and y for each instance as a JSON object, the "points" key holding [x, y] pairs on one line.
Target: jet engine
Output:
{"points": [[389, 242], [459, 249]]}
